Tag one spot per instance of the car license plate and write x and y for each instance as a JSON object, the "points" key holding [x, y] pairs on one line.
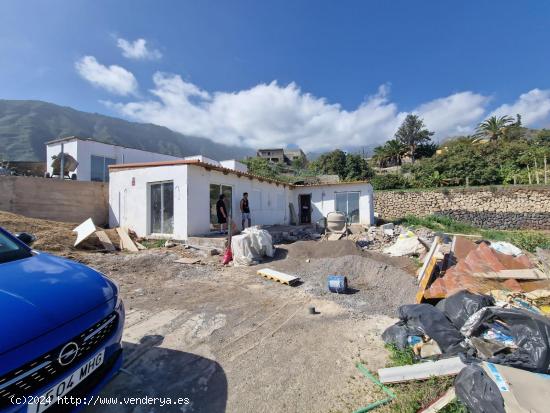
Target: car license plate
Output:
{"points": [[49, 398]]}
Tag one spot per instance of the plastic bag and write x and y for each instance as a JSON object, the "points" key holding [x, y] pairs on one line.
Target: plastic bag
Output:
{"points": [[399, 334], [530, 331], [250, 246], [428, 320], [477, 391], [461, 305]]}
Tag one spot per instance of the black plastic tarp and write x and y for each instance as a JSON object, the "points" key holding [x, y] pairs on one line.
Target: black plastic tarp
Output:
{"points": [[530, 331], [430, 321], [477, 391], [461, 305]]}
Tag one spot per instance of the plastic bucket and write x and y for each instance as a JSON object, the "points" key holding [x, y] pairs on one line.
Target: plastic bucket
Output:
{"points": [[337, 284]]}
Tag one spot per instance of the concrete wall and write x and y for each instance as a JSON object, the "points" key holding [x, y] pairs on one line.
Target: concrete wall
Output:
{"points": [[82, 151], [323, 200], [508, 207], [66, 201], [129, 198]]}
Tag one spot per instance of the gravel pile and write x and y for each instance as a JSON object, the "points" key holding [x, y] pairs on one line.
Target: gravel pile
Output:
{"points": [[376, 287]]}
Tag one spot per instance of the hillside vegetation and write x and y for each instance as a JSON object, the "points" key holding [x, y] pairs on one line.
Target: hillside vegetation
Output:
{"points": [[26, 125]]}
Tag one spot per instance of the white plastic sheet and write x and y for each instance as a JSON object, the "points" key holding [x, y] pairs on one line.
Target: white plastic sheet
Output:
{"points": [[406, 244], [506, 248], [250, 246]]}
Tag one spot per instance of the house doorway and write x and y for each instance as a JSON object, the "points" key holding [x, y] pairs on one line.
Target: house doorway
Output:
{"points": [[161, 207], [215, 191], [304, 203]]}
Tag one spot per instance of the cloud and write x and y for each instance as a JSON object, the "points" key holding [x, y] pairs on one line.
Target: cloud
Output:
{"points": [[533, 106], [271, 114], [455, 114], [137, 50], [114, 79]]}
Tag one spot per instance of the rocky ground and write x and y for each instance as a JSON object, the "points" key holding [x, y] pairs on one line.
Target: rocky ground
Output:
{"points": [[232, 341]]}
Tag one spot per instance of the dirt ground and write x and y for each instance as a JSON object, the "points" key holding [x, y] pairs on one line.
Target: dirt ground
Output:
{"points": [[232, 341]]}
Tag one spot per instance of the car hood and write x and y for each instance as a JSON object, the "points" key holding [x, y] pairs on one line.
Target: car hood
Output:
{"points": [[42, 292]]}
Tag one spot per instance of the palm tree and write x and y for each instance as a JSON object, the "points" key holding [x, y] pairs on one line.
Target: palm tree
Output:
{"points": [[494, 128], [389, 154]]}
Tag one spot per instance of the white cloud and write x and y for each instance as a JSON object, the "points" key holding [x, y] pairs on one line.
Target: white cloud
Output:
{"points": [[114, 79], [137, 50], [453, 115], [533, 106], [276, 115]]}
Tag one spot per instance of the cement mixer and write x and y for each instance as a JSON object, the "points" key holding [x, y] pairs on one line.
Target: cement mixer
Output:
{"points": [[69, 164], [337, 223]]}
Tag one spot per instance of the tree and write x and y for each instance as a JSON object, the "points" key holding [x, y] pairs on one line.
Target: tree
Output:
{"points": [[390, 154], [357, 168], [412, 133], [494, 128], [333, 163], [262, 167]]}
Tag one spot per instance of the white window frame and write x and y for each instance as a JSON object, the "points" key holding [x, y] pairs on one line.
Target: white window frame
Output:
{"points": [[150, 212]]}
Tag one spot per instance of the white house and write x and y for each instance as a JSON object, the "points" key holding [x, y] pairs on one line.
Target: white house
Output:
{"points": [[177, 199], [94, 157]]}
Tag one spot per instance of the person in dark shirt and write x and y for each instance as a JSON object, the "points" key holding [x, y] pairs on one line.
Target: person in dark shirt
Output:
{"points": [[221, 212], [245, 210]]}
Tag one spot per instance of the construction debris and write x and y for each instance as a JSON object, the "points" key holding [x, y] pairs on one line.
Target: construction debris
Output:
{"points": [[440, 403], [105, 241], [421, 371], [249, 247], [188, 260], [279, 276], [84, 230], [126, 242]]}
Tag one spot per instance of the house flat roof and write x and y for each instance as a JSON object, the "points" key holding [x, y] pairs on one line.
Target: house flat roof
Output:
{"points": [[70, 138], [196, 162]]}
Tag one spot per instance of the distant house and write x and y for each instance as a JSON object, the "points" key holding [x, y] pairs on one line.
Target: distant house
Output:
{"points": [[280, 155], [93, 158]]}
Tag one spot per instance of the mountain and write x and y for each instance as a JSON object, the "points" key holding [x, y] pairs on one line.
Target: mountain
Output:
{"points": [[25, 126]]}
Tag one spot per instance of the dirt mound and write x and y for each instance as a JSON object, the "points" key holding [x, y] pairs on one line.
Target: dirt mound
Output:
{"points": [[376, 287], [51, 235], [320, 249]]}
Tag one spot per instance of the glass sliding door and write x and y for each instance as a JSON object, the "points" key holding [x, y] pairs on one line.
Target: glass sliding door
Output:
{"points": [[215, 191], [348, 203], [161, 206]]}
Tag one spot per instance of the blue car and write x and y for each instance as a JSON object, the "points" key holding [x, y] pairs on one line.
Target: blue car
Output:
{"points": [[60, 330]]}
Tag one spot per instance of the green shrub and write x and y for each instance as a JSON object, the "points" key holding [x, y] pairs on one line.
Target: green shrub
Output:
{"points": [[389, 181]]}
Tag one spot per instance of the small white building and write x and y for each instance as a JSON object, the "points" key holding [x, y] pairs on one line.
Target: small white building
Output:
{"points": [[176, 199], [94, 157]]}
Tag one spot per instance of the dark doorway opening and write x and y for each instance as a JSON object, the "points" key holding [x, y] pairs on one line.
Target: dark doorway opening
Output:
{"points": [[305, 208]]}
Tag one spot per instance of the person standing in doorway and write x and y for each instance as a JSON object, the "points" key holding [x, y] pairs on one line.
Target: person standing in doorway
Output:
{"points": [[221, 212], [245, 210]]}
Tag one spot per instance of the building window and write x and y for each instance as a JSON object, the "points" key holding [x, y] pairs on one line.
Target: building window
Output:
{"points": [[348, 203], [99, 170], [161, 207]]}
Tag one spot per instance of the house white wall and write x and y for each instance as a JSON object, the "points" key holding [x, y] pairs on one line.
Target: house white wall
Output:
{"points": [[82, 150], [235, 165], [268, 201], [129, 198], [323, 200]]}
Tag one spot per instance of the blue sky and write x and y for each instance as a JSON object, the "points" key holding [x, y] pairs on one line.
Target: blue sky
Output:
{"points": [[317, 74]]}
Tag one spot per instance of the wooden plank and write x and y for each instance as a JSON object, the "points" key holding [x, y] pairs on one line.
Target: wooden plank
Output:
{"points": [[426, 278], [125, 240], [140, 245], [278, 276], [428, 258], [440, 403], [522, 274], [293, 217], [105, 240], [421, 371]]}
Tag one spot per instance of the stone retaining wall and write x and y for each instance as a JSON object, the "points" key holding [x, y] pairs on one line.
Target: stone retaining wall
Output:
{"points": [[509, 207]]}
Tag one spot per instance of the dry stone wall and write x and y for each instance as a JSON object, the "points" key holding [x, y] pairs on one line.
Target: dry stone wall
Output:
{"points": [[509, 207]]}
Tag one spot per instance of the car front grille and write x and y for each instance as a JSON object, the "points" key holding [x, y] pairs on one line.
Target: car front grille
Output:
{"points": [[30, 377]]}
